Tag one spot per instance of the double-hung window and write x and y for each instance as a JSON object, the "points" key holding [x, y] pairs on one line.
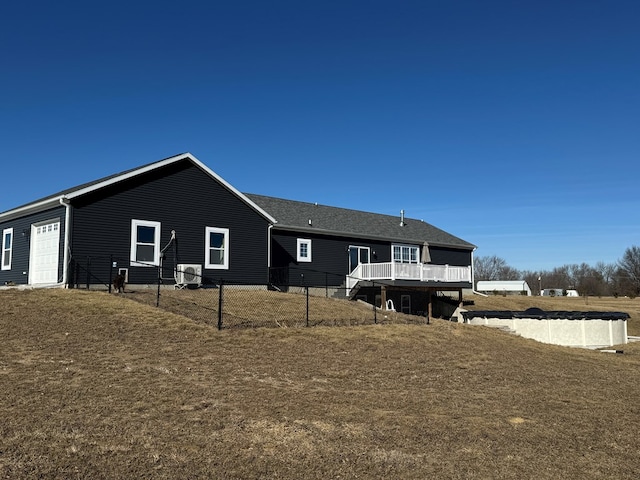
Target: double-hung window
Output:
{"points": [[145, 243], [405, 254], [7, 248], [304, 250], [216, 248]]}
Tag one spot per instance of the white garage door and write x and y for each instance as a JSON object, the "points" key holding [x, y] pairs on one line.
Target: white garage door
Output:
{"points": [[45, 248]]}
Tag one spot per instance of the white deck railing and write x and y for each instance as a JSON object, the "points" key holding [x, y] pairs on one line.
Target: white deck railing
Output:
{"points": [[424, 272]]}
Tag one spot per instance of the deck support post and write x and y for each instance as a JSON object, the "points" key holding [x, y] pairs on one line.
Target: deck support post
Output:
{"points": [[383, 297]]}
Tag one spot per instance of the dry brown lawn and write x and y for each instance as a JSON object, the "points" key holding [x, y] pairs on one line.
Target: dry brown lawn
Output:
{"points": [[98, 386]]}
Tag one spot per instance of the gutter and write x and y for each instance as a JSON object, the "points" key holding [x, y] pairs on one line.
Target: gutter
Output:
{"points": [[30, 208], [473, 275]]}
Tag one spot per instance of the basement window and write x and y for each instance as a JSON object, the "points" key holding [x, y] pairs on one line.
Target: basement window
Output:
{"points": [[7, 248], [145, 243]]}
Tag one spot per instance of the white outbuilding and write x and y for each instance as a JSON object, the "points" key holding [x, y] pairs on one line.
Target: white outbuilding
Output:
{"points": [[504, 287]]}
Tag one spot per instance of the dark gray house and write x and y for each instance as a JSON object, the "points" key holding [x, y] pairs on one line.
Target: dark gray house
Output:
{"points": [[374, 257], [178, 220], [128, 220]]}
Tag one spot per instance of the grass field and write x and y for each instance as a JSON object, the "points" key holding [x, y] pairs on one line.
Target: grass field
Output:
{"points": [[98, 386]]}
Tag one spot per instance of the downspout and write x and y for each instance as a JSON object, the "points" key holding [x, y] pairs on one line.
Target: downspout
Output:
{"points": [[67, 235], [269, 252], [473, 273], [473, 278]]}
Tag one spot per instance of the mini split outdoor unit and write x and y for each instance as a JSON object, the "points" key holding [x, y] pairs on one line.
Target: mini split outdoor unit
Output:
{"points": [[189, 274]]}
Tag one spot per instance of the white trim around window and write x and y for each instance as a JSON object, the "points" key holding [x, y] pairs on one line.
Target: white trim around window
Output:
{"points": [[216, 248], [405, 253], [303, 250], [145, 243], [7, 248]]}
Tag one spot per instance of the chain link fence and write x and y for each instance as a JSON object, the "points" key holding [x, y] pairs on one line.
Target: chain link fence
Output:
{"points": [[235, 305], [230, 306]]}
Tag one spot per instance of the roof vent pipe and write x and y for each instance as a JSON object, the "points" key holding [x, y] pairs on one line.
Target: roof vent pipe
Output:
{"points": [[402, 218]]}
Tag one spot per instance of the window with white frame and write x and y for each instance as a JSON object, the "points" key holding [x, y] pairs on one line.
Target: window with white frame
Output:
{"points": [[216, 248], [145, 243], [7, 248], [405, 254], [304, 250]]}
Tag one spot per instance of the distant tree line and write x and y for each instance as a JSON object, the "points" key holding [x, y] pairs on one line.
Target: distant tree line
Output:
{"points": [[602, 279]]}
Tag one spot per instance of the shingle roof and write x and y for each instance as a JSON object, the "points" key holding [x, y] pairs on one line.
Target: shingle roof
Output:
{"points": [[295, 215]]}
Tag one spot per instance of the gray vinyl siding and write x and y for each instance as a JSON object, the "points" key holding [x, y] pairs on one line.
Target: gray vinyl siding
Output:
{"points": [[182, 198], [19, 273]]}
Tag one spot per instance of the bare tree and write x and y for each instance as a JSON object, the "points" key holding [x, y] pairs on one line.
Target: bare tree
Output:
{"points": [[630, 269], [619, 284], [559, 277], [489, 268], [508, 273], [532, 280], [607, 272], [588, 281]]}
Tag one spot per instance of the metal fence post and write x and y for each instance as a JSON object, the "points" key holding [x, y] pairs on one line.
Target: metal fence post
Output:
{"points": [[111, 272], [307, 294], [158, 292], [88, 271], [326, 285], [76, 279], [375, 310], [220, 299]]}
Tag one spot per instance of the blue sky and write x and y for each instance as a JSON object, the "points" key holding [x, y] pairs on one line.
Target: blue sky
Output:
{"points": [[513, 125]]}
